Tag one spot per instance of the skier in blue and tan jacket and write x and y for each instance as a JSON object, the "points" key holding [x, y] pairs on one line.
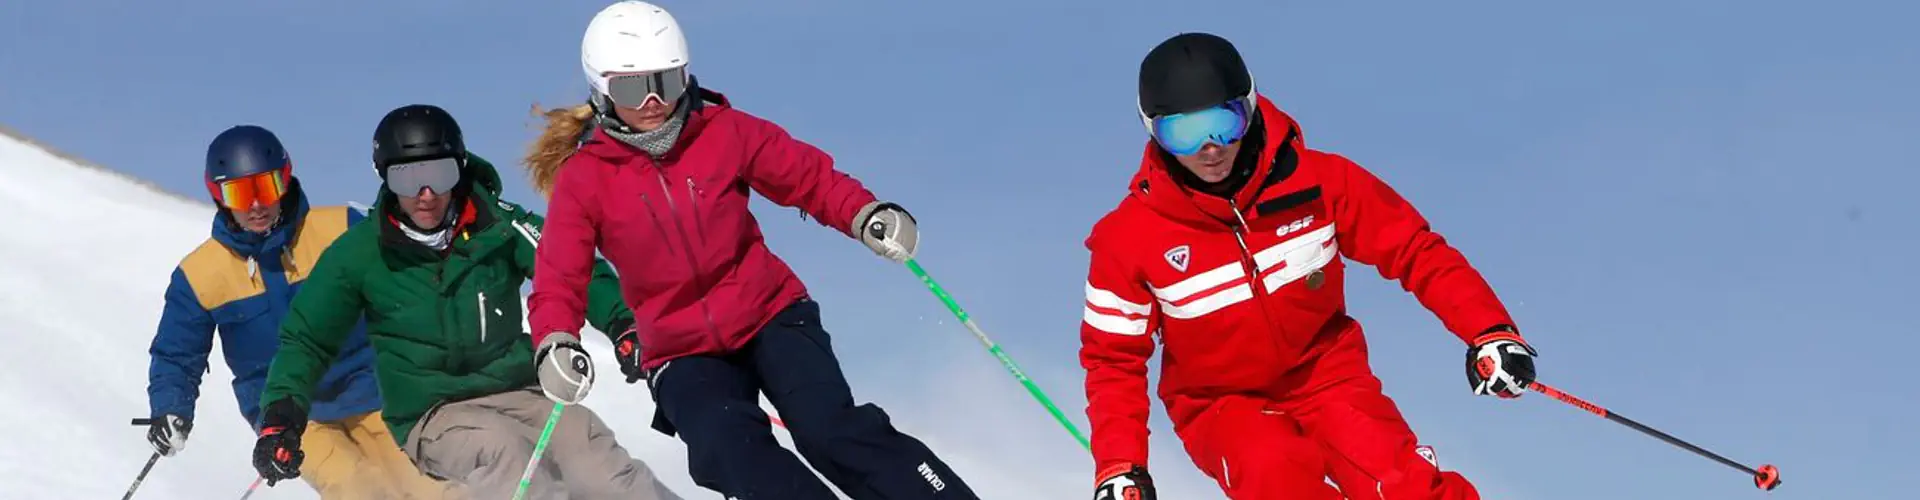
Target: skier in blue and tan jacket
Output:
{"points": [[239, 282]]}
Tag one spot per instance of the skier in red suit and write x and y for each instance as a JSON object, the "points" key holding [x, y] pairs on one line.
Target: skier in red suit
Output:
{"points": [[1227, 249]]}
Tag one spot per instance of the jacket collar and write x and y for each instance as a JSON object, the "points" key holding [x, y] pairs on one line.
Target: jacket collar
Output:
{"points": [[1155, 185], [263, 247], [479, 189], [706, 105]]}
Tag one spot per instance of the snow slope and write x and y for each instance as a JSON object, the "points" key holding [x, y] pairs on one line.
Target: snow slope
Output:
{"points": [[86, 262]]}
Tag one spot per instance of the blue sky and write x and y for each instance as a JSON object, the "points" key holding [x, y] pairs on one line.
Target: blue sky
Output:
{"points": [[1698, 211]]}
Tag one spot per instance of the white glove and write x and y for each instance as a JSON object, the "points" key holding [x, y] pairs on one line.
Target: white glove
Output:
{"points": [[888, 230], [566, 373]]}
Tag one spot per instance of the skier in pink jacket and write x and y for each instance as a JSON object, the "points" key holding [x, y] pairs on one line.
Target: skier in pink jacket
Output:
{"points": [[654, 173]]}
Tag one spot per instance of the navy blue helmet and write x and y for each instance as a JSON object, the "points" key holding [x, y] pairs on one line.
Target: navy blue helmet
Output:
{"points": [[237, 157]]}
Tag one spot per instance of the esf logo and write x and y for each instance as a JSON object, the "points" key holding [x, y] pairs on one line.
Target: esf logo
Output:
{"points": [[1294, 226]]}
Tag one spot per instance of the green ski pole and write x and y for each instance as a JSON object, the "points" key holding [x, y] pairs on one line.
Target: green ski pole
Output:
{"points": [[993, 348], [526, 478]]}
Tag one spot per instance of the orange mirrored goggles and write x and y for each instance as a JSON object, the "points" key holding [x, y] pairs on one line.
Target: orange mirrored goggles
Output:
{"points": [[265, 188]]}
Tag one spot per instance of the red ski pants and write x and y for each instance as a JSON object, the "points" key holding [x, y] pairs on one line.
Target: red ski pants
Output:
{"points": [[1346, 430]]}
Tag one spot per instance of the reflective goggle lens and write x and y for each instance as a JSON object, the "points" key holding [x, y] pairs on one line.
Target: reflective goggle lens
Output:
{"points": [[440, 174], [1185, 133], [634, 90], [265, 188]]}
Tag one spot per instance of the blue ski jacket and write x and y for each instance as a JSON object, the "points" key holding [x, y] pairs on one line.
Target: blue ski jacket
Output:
{"points": [[240, 284]]}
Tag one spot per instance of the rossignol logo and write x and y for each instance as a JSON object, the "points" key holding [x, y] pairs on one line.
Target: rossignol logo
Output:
{"points": [[1294, 226], [932, 478], [1178, 257]]}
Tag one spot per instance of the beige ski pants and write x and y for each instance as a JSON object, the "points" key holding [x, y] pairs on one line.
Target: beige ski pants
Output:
{"points": [[484, 444]]}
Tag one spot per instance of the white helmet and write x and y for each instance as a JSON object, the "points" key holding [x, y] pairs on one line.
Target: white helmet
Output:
{"points": [[631, 35]]}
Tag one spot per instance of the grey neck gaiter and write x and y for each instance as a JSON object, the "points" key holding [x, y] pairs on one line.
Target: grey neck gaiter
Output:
{"points": [[656, 142]]}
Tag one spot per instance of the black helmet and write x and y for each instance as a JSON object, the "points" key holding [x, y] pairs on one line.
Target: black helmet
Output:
{"points": [[1191, 71], [416, 132]]}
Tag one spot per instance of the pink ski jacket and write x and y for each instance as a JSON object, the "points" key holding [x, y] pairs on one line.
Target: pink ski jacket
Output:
{"points": [[692, 263]]}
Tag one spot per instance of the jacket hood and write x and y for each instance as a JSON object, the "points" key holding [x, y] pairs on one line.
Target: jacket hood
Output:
{"points": [[293, 209], [1155, 185]]}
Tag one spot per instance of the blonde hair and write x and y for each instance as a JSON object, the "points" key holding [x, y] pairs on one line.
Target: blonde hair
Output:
{"points": [[556, 142]]}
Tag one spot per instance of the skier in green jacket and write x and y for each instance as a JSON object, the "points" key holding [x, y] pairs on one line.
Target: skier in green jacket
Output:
{"points": [[437, 269]]}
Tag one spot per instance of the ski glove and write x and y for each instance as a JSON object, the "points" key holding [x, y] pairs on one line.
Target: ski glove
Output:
{"points": [[1500, 363], [888, 230], [168, 434], [1124, 482], [277, 455], [626, 350], [566, 373]]}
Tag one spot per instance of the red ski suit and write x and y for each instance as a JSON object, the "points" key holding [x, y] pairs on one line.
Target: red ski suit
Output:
{"points": [[1266, 380], [692, 264]]}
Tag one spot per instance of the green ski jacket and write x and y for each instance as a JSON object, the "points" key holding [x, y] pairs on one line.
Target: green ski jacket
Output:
{"points": [[445, 326]]}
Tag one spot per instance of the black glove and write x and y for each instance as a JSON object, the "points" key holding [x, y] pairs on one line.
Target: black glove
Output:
{"points": [[1124, 482], [1500, 363], [277, 455], [626, 350], [168, 433]]}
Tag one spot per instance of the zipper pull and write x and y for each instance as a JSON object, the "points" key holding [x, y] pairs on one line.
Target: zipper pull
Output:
{"points": [[483, 316], [1238, 217]]}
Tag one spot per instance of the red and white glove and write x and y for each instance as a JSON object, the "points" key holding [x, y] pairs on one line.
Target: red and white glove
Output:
{"points": [[1500, 363], [627, 350], [1124, 482]]}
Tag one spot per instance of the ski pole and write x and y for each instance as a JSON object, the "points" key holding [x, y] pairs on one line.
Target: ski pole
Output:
{"points": [[539, 447], [1766, 477], [142, 422], [251, 487], [142, 476], [993, 348]]}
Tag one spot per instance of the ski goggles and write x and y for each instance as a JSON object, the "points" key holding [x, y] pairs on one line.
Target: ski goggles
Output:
{"points": [[633, 90], [243, 193], [1186, 133], [439, 175]]}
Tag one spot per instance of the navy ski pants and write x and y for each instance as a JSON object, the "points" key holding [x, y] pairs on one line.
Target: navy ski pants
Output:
{"points": [[712, 403]]}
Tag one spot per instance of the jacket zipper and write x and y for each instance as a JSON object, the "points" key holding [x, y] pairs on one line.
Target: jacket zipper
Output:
{"points": [[693, 200], [687, 242], [449, 316], [483, 317], [693, 266], [1254, 281]]}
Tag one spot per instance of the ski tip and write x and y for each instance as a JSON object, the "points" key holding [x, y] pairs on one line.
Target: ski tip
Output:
{"points": [[1767, 477]]}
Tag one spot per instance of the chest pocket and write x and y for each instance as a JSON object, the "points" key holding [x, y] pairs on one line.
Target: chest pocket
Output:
{"points": [[247, 334], [492, 297], [237, 314], [1294, 223]]}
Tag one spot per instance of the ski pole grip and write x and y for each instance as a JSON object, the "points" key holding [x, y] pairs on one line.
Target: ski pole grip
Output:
{"points": [[142, 421]]}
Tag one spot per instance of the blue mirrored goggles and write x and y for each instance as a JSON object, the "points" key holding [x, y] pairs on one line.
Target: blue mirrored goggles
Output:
{"points": [[1184, 134]]}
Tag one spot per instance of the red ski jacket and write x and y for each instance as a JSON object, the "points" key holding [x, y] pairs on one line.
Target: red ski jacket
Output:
{"points": [[1176, 263], [692, 263]]}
